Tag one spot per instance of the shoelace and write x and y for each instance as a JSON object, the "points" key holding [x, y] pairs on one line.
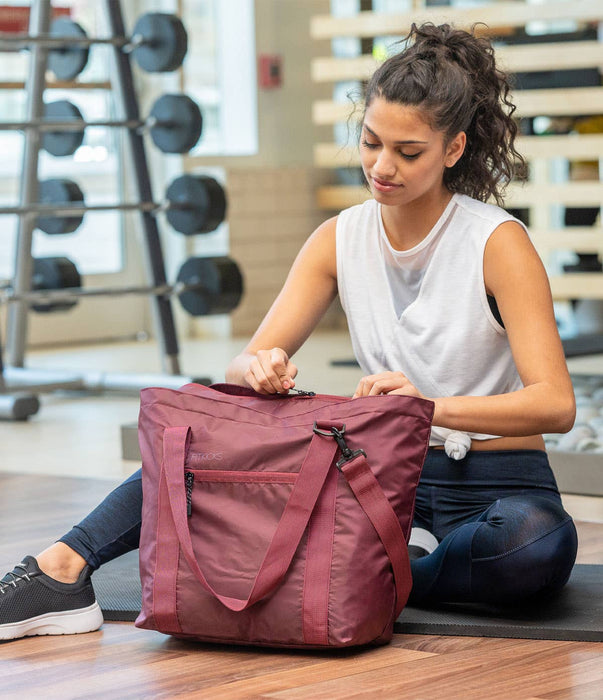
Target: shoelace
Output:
{"points": [[5, 585]]}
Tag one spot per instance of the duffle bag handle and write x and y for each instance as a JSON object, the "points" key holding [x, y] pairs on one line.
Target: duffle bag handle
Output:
{"points": [[231, 390], [300, 504], [289, 531], [223, 388]]}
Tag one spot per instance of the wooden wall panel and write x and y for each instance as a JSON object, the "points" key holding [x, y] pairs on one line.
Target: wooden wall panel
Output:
{"points": [[543, 192], [493, 15], [530, 103], [570, 146], [534, 57]]}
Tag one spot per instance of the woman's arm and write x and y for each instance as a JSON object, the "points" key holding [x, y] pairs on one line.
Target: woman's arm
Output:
{"points": [[515, 276], [310, 288]]}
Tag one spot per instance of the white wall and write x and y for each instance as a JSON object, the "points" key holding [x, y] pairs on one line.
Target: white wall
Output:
{"points": [[286, 132], [271, 194]]}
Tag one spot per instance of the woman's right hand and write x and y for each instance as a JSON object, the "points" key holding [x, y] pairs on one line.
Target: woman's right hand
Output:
{"points": [[270, 371]]}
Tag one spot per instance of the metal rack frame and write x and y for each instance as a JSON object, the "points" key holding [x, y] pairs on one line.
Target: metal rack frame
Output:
{"points": [[16, 381]]}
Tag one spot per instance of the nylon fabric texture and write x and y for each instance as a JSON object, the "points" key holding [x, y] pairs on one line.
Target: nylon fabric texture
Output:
{"points": [[280, 534]]}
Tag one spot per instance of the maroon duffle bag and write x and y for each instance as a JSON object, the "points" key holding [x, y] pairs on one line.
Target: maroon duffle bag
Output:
{"points": [[277, 520]]}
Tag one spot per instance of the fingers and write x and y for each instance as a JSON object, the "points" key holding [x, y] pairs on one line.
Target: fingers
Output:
{"points": [[385, 383], [271, 372]]}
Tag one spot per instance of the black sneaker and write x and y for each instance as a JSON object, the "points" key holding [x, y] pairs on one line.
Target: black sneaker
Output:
{"points": [[32, 603]]}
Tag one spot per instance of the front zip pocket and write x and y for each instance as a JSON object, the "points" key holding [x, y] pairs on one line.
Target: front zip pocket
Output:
{"points": [[234, 517], [231, 477]]}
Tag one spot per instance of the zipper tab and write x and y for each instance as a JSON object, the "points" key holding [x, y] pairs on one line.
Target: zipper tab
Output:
{"points": [[301, 392], [189, 479]]}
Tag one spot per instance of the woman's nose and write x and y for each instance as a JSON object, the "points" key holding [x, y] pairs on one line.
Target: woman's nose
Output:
{"points": [[384, 165]]}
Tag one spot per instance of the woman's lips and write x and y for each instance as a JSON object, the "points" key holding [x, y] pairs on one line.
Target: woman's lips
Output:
{"points": [[384, 185]]}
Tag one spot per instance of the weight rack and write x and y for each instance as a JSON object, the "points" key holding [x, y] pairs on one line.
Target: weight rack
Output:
{"points": [[18, 385]]}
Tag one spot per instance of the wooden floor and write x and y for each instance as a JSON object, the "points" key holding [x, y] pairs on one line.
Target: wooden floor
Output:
{"points": [[120, 661], [78, 436]]}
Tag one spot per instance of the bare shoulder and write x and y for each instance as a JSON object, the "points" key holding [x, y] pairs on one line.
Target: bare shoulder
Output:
{"points": [[320, 248], [507, 236], [325, 233], [510, 255]]}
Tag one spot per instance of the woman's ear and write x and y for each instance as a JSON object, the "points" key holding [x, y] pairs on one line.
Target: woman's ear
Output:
{"points": [[455, 149]]}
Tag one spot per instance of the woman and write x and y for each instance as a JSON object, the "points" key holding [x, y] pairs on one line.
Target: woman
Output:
{"points": [[446, 299]]}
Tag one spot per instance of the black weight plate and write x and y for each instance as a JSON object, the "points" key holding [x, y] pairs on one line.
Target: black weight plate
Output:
{"points": [[200, 204], [218, 285], [62, 143], [54, 273], [69, 61], [60, 191], [180, 123], [165, 42]]}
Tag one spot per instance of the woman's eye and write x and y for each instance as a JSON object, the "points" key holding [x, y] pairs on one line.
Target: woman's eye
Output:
{"points": [[406, 156]]}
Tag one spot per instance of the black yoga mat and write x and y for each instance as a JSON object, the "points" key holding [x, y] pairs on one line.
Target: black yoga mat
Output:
{"points": [[117, 588], [574, 614]]}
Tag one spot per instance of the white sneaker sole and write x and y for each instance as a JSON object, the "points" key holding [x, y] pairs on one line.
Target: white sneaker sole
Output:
{"points": [[67, 622], [423, 539]]}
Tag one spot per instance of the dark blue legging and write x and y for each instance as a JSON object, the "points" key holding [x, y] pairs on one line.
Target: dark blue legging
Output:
{"points": [[504, 534], [505, 538], [113, 527]]}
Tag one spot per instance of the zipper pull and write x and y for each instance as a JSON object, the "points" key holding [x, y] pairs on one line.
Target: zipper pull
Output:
{"points": [[301, 392], [189, 479]]}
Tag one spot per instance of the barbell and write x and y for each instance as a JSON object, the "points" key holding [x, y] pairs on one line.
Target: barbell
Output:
{"points": [[204, 286], [175, 124], [158, 44], [194, 204]]}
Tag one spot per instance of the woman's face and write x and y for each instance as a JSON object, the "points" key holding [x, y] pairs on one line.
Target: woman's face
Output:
{"points": [[403, 159]]}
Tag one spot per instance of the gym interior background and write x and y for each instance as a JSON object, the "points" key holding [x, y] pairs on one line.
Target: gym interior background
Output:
{"points": [[272, 79]]}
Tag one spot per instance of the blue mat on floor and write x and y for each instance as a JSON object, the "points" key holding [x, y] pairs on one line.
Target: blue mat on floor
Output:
{"points": [[575, 614]]}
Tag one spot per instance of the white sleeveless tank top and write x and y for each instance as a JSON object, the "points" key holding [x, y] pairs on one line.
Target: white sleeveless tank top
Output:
{"points": [[425, 311]]}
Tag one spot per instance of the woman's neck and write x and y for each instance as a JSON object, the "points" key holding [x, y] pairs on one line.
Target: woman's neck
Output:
{"points": [[407, 225]]}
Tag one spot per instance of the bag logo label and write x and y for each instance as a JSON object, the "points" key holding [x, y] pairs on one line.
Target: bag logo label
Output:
{"points": [[206, 456]]}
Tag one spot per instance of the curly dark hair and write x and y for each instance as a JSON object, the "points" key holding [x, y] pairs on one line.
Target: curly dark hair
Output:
{"points": [[451, 76]]}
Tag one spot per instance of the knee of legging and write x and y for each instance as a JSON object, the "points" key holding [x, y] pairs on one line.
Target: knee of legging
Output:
{"points": [[515, 522], [538, 568], [525, 547], [135, 476]]}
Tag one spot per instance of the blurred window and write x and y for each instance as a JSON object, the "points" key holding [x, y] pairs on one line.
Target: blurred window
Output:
{"points": [[219, 73], [96, 247]]}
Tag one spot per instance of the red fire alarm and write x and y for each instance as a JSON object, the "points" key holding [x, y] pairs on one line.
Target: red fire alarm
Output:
{"points": [[270, 70]]}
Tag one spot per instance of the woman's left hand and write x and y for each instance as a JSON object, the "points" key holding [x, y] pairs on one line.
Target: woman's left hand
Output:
{"points": [[386, 383]]}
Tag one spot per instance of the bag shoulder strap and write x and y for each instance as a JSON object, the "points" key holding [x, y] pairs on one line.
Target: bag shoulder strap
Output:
{"points": [[379, 510]]}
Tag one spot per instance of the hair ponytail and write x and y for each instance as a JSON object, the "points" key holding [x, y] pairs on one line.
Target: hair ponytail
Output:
{"points": [[451, 76]]}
